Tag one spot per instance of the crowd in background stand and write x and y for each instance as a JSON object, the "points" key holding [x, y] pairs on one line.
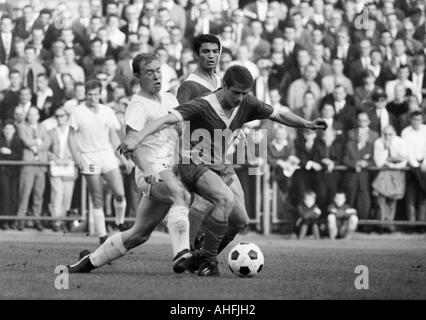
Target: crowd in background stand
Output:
{"points": [[358, 64]]}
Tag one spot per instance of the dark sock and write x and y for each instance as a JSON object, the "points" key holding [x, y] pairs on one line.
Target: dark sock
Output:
{"points": [[229, 236], [215, 231], [196, 218]]}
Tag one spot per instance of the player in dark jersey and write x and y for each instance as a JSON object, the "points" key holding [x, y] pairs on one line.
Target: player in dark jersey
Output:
{"points": [[206, 51], [227, 108]]}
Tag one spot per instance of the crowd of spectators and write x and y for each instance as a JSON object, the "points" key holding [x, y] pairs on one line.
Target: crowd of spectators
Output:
{"points": [[358, 64]]}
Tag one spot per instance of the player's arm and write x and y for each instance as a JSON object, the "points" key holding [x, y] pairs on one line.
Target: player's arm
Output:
{"points": [[72, 144], [131, 142], [290, 119]]}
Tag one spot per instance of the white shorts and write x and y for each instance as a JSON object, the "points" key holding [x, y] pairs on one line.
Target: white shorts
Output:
{"points": [[99, 162]]}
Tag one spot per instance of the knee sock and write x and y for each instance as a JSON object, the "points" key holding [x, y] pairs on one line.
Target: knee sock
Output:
{"points": [[99, 222], [110, 250], [120, 209], [228, 237], [178, 225], [199, 209], [215, 231]]}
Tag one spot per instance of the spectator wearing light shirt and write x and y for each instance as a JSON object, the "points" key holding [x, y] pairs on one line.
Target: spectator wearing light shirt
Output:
{"points": [[418, 77], [402, 77], [414, 137]]}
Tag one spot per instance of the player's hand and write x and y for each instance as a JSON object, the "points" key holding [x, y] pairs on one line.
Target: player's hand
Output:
{"points": [[128, 146], [151, 177], [318, 124]]}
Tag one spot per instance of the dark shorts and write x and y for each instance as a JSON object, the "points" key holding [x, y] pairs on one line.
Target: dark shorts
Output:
{"points": [[190, 173]]}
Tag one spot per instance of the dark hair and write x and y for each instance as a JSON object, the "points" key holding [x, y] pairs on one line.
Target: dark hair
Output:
{"points": [[415, 113], [92, 84], [45, 11], [204, 38], [96, 39], [42, 75], [134, 82], [6, 16], [310, 193], [238, 75], [14, 71], [108, 58], [30, 47], [25, 88], [142, 57], [79, 84]]}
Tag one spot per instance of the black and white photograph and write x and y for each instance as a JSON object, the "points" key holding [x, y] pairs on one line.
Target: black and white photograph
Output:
{"points": [[209, 156]]}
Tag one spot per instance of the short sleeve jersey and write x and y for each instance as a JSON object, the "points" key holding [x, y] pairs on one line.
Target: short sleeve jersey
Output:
{"points": [[161, 145], [205, 115], [93, 128]]}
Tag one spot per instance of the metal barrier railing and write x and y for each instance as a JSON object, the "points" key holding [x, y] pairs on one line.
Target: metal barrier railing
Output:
{"points": [[265, 202]]}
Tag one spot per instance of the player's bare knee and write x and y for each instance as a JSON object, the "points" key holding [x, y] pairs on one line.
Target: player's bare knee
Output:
{"points": [[98, 202], [119, 198], [224, 201]]}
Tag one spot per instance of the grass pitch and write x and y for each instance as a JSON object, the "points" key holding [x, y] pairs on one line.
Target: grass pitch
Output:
{"points": [[293, 269]]}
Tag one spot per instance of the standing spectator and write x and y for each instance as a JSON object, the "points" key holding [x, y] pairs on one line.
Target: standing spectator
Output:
{"points": [[328, 153], [414, 46], [243, 60], [37, 37], [298, 87], [239, 28], [379, 115], [261, 87], [414, 137], [257, 9], [160, 29], [271, 26], [398, 107], [359, 66], [7, 39], [42, 98], [294, 70], [362, 95], [117, 37], [402, 78], [10, 149], [380, 70], [389, 152], [259, 47], [132, 21], [72, 67], [9, 98], [358, 156], [385, 45], [309, 110], [342, 219], [30, 68], [291, 48], [23, 25], [19, 54], [329, 83], [318, 60], [362, 129], [25, 98], [344, 50], [417, 77], [179, 15], [345, 112], [32, 179], [400, 57], [308, 213], [61, 183]]}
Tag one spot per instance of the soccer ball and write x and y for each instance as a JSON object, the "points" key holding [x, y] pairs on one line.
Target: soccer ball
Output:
{"points": [[245, 260]]}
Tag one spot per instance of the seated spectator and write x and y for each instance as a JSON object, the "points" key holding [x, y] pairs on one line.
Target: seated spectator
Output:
{"points": [[62, 172], [357, 157], [318, 60], [294, 70], [342, 220], [389, 152], [308, 213], [25, 97], [36, 142], [19, 54], [72, 67], [382, 73], [243, 60], [113, 78], [10, 149], [115, 36], [418, 77], [414, 137], [328, 153], [309, 109], [257, 45], [30, 68], [358, 67]]}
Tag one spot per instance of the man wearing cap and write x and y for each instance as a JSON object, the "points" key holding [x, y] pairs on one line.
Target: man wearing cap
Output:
{"points": [[418, 77]]}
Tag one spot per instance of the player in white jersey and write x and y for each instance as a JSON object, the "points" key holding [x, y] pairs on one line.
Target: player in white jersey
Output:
{"points": [[163, 192], [92, 140]]}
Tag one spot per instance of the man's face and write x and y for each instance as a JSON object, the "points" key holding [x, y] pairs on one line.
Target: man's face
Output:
{"points": [[33, 116], [6, 25], [8, 131], [339, 94], [399, 47], [58, 49], [234, 95], [150, 76], [38, 36], [175, 36], [225, 61], [376, 58], [15, 80], [278, 44], [19, 115], [380, 103], [363, 120], [339, 199], [93, 97], [45, 19], [110, 67], [337, 66], [303, 58], [416, 122], [30, 55], [61, 116], [207, 56], [419, 67], [132, 14], [310, 73], [365, 48], [69, 56], [275, 96], [25, 96], [309, 100], [41, 83], [96, 49], [80, 93], [342, 38], [327, 111], [256, 28], [84, 10], [95, 25], [386, 39], [317, 36], [290, 34], [67, 36], [238, 16], [28, 14]]}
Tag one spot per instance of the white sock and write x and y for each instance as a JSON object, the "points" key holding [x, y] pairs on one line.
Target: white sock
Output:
{"points": [[110, 250], [120, 210], [99, 222], [178, 225]]}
